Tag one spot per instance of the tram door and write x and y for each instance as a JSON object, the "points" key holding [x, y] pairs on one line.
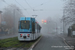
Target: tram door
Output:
{"points": [[33, 29]]}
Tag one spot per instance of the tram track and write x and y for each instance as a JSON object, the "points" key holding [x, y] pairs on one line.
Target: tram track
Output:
{"points": [[14, 45], [23, 44]]}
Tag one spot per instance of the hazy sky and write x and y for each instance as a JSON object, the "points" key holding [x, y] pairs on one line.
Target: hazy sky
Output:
{"points": [[50, 8]]}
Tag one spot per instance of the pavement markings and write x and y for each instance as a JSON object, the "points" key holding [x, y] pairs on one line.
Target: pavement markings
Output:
{"points": [[30, 49], [64, 41]]}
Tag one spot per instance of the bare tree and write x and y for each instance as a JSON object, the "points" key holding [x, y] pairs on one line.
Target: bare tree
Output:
{"points": [[11, 15], [68, 14]]}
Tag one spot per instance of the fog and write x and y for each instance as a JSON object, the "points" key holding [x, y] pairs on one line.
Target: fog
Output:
{"points": [[27, 8]]}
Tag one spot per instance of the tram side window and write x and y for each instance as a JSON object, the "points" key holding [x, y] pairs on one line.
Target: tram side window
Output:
{"points": [[38, 28], [33, 27]]}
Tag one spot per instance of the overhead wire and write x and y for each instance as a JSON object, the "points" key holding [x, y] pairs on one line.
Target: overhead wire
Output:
{"points": [[8, 4], [5, 2], [41, 4], [29, 6], [34, 7], [21, 6]]}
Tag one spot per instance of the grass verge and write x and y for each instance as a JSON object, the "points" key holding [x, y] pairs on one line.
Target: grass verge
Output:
{"points": [[11, 42]]}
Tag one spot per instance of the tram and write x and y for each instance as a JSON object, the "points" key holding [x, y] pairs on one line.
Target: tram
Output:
{"points": [[28, 29]]}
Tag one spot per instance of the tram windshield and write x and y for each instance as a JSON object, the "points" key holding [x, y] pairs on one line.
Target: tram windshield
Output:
{"points": [[24, 24]]}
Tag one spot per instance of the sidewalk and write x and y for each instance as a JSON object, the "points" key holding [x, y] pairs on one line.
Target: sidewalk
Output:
{"points": [[69, 40], [4, 36]]}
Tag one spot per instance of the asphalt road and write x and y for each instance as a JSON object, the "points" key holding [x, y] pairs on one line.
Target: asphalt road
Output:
{"points": [[51, 42]]}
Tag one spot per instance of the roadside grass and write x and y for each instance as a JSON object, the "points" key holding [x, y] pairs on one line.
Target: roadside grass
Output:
{"points": [[11, 42], [9, 39], [8, 42]]}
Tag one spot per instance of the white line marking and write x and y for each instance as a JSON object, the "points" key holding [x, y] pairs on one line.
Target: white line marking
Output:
{"points": [[30, 49]]}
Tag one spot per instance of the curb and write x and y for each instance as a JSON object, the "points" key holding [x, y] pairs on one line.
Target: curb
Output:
{"points": [[65, 42], [35, 44]]}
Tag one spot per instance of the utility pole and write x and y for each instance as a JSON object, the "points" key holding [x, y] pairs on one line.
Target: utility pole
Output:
{"points": [[0, 16], [63, 21], [14, 20]]}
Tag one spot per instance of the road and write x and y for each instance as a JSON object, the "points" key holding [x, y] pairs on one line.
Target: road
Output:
{"points": [[50, 42]]}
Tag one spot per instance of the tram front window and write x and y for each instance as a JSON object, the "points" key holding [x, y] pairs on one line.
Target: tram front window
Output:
{"points": [[25, 24]]}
